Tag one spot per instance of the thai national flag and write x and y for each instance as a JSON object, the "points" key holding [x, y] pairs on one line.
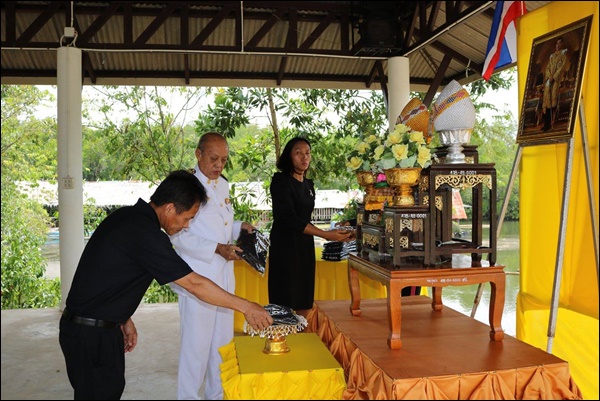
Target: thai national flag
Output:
{"points": [[502, 44]]}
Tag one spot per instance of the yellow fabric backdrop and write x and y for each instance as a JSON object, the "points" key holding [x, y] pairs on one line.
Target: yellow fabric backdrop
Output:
{"points": [[542, 172]]}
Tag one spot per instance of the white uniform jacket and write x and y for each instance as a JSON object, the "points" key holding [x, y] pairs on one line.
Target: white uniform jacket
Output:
{"points": [[212, 224]]}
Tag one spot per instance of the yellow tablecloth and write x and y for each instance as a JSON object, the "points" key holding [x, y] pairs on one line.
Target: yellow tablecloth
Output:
{"points": [[307, 372], [331, 283]]}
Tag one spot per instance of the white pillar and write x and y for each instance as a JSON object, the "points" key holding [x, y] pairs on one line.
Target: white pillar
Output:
{"points": [[398, 87], [70, 166]]}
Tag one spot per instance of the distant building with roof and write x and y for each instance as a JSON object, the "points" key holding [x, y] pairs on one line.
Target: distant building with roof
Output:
{"points": [[112, 194]]}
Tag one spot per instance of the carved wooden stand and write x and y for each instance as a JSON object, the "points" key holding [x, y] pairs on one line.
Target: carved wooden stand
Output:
{"points": [[440, 180], [413, 245], [436, 277], [423, 233]]}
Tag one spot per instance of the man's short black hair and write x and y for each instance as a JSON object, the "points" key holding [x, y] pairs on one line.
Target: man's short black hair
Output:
{"points": [[181, 188]]}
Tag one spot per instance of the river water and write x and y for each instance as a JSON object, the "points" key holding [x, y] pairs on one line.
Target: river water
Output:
{"points": [[458, 298], [462, 298]]}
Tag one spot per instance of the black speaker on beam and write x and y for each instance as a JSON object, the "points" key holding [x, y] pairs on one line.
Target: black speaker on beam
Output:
{"points": [[379, 32]]}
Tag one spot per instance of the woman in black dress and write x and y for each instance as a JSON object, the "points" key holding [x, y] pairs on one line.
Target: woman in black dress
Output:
{"points": [[292, 251]]}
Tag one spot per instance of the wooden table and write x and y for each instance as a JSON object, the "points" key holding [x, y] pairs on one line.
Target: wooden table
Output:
{"points": [[437, 277]]}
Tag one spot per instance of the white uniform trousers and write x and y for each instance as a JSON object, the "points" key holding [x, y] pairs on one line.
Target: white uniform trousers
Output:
{"points": [[204, 329]]}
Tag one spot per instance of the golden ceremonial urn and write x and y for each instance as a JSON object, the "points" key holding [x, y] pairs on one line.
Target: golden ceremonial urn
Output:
{"points": [[366, 179], [402, 180]]}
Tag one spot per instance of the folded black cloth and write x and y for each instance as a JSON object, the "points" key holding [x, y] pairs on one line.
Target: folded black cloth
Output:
{"points": [[335, 253], [335, 250], [333, 246], [282, 314], [255, 246], [337, 258]]}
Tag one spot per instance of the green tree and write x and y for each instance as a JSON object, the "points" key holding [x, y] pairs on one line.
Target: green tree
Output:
{"points": [[496, 144], [98, 163], [151, 139], [252, 154], [292, 113], [28, 144], [226, 115], [24, 231], [26, 156]]}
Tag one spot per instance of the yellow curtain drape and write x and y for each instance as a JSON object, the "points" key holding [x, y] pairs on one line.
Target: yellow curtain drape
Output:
{"points": [[542, 178]]}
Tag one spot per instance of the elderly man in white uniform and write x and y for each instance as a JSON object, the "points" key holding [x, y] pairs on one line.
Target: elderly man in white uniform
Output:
{"points": [[207, 246]]}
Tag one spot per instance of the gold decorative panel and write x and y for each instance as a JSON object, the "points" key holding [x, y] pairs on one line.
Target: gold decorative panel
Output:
{"points": [[406, 223], [439, 202], [389, 225], [403, 241], [463, 181], [374, 218], [371, 240]]}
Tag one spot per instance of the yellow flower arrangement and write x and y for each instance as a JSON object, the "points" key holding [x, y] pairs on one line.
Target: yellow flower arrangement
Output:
{"points": [[365, 153], [403, 148]]}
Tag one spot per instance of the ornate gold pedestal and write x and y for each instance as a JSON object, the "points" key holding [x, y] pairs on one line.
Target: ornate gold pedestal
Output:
{"points": [[276, 346]]}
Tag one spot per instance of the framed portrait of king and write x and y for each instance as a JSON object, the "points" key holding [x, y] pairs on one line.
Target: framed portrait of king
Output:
{"points": [[553, 85]]}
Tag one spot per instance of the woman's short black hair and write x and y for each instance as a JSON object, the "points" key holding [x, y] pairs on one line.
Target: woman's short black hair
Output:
{"points": [[181, 188], [284, 163]]}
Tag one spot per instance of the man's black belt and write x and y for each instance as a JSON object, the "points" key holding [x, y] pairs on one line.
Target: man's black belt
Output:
{"points": [[86, 321]]}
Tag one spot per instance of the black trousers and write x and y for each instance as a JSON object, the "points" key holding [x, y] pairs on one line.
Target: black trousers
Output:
{"points": [[95, 359]]}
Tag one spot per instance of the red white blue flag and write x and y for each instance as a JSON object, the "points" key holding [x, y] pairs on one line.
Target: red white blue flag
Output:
{"points": [[502, 44]]}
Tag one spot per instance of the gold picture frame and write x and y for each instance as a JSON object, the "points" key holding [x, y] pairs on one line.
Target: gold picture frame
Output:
{"points": [[553, 85]]}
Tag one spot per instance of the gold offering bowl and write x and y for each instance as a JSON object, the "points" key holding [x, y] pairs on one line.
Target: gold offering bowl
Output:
{"points": [[402, 180], [276, 346], [366, 178]]}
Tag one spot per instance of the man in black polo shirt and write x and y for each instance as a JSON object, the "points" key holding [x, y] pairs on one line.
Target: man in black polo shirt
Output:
{"points": [[126, 252]]}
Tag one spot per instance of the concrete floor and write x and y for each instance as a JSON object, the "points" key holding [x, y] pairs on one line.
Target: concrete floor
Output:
{"points": [[33, 367]]}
